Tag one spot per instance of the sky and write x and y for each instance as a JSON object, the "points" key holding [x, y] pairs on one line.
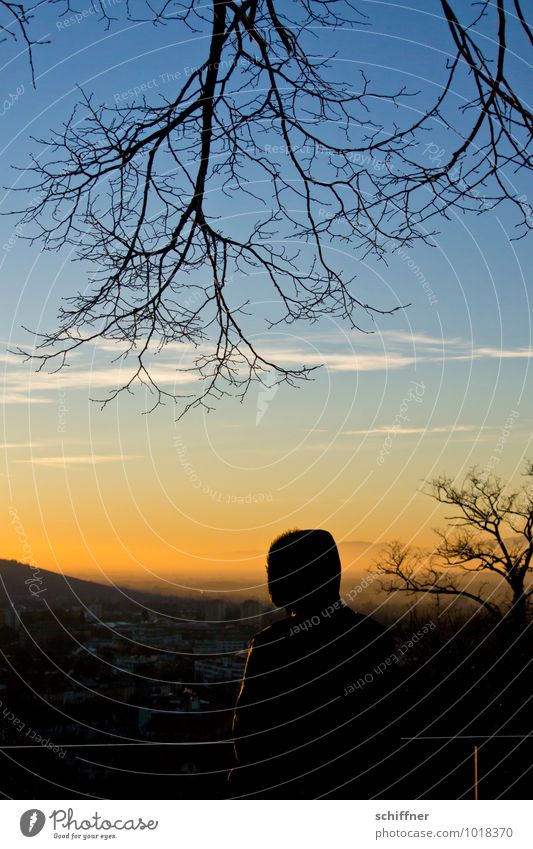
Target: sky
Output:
{"points": [[116, 494]]}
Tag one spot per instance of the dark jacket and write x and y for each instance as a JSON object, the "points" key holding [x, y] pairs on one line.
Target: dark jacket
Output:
{"points": [[311, 716]]}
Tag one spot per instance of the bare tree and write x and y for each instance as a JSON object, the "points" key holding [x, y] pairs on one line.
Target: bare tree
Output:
{"points": [[323, 163], [491, 533], [15, 20]]}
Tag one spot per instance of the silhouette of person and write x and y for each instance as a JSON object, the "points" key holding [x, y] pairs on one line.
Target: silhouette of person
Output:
{"points": [[311, 716]]}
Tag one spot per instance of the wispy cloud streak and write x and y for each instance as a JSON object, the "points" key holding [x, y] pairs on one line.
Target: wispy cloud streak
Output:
{"points": [[80, 460]]}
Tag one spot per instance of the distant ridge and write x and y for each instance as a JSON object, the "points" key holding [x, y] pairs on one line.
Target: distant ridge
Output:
{"points": [[25, 584]]}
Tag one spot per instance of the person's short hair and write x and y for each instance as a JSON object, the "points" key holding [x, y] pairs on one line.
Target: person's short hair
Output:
{"points": [[303, 568]]}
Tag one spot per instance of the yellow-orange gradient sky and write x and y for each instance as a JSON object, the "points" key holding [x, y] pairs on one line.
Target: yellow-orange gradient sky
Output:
{"points": [[114, 494]]}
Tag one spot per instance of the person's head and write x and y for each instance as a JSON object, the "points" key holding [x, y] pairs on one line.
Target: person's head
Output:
{"points": [[303, 570]]}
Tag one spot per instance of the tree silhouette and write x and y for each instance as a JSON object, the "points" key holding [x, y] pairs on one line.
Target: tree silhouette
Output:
{"points": [[491, 533], [323, 163]]}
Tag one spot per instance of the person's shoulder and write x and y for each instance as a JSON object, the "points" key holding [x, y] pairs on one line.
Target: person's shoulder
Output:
{"points": [[272, 633], [364, 625], [362, 620]]}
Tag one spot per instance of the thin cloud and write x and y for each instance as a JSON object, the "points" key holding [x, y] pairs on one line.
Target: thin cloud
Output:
{"points": [[24, 398], [8, 358], [412, 430], [405, 337], [21, 445], [499, 353], [379, 361], [80, 460], [102, 378], [393, 360], [25, 386]]}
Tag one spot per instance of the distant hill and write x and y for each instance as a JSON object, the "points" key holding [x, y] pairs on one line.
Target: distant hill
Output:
{"points": [[24, 584]]}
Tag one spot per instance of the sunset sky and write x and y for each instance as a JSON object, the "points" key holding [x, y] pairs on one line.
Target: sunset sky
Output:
{"points": [[113, 493]]}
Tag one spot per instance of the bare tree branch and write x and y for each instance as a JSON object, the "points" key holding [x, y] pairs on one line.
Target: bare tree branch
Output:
{"points": [[263, 118]]}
